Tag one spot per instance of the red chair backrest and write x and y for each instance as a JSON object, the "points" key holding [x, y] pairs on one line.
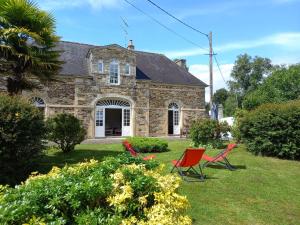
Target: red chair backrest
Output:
{"points": [[228, 149], [191, 157], [130, 149]]}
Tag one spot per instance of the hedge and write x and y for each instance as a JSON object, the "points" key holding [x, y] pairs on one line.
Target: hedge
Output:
{"points": [[122, 190], [143, 144], [273, 130]]}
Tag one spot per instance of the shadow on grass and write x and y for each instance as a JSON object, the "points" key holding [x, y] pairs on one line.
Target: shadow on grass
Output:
{"points": [[60, 159], [219, 167]]}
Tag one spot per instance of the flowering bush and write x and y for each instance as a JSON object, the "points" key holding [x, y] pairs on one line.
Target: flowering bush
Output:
{"points": [[121, 190], [144, 144]]}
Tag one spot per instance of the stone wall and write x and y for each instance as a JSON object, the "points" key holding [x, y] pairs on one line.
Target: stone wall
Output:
{"points": [[190, 99]]}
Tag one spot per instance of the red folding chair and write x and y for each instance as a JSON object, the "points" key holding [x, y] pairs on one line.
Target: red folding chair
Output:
{"points": [[133, 153], [220, 158], [189, 159]]}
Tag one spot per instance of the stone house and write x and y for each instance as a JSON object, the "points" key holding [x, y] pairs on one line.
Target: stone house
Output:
{"points": [[123, 92]]}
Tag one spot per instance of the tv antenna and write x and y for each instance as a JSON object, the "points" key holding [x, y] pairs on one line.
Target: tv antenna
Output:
{"points": [[125, 27]]}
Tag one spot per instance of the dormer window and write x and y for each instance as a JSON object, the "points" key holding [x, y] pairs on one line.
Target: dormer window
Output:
{"points": [[114, 72], [97, 66], [127, 69]]}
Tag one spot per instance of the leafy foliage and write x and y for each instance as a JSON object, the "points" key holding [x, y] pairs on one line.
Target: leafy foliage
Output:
{"points": [[27, 39], [220, 96], [282, 85], [207, 131], [122, 190], [66, 131], [273, 130], [21, 132], [143, 144]]}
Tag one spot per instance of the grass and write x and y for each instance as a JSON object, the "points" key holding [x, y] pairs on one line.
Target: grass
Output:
{"points": [[262, 191]]}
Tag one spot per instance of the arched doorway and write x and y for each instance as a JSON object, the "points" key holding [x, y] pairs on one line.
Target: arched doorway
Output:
{"points": [[112, 118], [39, 103], [173, 119]]}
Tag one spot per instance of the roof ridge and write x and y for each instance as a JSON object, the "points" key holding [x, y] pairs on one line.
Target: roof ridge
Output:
{"points": [[74, 42], [154, 53]]}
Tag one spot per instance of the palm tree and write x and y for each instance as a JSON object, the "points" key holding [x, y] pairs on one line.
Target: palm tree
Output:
{"points": [[27, 45]]}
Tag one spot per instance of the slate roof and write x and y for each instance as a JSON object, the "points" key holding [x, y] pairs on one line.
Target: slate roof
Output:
{"points": [[150, 66]]}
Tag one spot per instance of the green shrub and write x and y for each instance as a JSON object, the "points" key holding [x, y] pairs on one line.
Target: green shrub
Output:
{"points": [[208, 132], [273, 130], [116, 191], [235, 131], [66, 131], [143, 144], [21, 132]]}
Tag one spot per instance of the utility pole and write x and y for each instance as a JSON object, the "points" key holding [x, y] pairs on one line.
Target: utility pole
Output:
{"points": [[210, 69]]}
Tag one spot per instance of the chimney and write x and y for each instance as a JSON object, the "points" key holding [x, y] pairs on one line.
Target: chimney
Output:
{"points": [[181, 63], [130, 45]]}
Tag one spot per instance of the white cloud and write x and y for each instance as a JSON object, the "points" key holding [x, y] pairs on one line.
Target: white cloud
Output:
{"points": [[201, 71], [289, 41], [95, 4]]}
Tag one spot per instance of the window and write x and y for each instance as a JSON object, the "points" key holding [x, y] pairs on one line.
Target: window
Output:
{"points": [[99, 117], [126, 121], [114, 72], [100, 66], [127, 69], [97, 66], [39, 103], [176, 118]]}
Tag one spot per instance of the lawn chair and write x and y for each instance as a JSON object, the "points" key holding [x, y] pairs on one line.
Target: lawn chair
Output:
{"points": [[133, 153], [189, 159], [220, 158]]}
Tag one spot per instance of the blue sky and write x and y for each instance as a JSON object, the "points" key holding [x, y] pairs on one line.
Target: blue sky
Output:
{"points": [[267, 28]]}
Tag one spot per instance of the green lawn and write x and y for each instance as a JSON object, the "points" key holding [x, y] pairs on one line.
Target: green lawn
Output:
{"points": [[262, 191]]}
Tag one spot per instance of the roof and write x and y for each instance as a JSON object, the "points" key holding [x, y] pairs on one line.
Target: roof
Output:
{"points": [[150, 66]]}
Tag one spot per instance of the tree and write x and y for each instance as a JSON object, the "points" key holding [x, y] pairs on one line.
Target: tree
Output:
{"points": [[27, 41], [282, 85], [247, 74], [220, 96]]}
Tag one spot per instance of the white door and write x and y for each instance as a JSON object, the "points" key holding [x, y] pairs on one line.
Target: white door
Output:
{"points": [[100, 122], [176, 127], [126, 122]]}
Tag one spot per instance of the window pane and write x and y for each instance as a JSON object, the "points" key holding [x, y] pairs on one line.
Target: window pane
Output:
{"points": [[126, 117], [176, 118], [127, 69], [100, 67], [114, 73], [99, 117]]}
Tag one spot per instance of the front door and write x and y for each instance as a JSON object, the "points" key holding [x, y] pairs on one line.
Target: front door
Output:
{"points": [[100, 126], [173, 122], [176, 122], [126, 122]]}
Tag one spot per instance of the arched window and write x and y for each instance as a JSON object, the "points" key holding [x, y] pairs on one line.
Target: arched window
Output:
{"points": [[39, 103], [173, 106], [114, 72], [113, 102]]}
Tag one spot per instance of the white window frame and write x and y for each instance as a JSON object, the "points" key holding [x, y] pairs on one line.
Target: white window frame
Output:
{"points": [[102, 66], [114, 62], [125, 69]]}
